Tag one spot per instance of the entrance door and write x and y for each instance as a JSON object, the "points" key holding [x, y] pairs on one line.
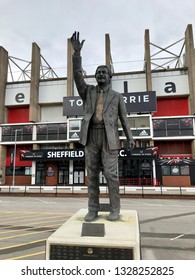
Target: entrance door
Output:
{"points": [[40, 177], [146, 177], [63, 177], [136, 171]]}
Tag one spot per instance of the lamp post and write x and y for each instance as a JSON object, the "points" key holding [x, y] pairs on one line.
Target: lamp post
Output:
{"points": [[14, 159]]}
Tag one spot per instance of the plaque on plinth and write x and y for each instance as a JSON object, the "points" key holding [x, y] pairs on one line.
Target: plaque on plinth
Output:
{"points": [[93, 229]]}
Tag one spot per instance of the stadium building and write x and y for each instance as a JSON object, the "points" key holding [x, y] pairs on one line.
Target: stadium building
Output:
{"points": [[40, 118]]}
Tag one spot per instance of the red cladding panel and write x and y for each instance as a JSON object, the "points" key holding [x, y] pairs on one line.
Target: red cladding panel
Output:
{"points": [[18, 115], [172, 107]]}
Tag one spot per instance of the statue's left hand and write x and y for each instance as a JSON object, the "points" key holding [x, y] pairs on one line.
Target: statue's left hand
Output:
{"points": [[130, 145], [76, 44]]}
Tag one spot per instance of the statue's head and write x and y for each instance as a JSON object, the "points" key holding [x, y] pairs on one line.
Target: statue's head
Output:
{"points": [[103, 75]]}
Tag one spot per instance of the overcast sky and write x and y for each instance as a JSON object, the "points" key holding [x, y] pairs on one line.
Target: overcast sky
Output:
{"points": [[49, 23]]}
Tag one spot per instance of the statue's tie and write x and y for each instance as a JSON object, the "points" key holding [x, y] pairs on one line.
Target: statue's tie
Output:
{"points": [[99, 108]]}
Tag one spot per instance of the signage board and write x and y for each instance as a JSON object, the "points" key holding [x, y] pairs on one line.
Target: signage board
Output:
{"points": [[137, 102], [79, 154], [52, 154]]}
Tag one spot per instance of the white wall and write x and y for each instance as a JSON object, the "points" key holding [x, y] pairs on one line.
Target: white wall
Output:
{"points": [[52, 113], [17, 94], [52, 91], [160, 82], [136, 83]]}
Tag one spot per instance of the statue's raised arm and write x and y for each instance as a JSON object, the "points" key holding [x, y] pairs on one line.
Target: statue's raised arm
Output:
{"points": [[76, 44]]}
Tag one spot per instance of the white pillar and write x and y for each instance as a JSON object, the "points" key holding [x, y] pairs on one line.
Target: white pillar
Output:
{"points": [[154, 169], [71, 172], [33, 172]]}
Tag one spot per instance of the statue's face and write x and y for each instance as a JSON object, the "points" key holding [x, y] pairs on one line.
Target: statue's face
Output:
{"points": [[102, 76]]}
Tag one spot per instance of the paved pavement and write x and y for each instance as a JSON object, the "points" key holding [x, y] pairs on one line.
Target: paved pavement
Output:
{"points": [[167, 226]]}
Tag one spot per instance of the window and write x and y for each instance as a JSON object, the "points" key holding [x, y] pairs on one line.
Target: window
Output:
{"points": [[74, 129], [18, 133], [74, 125], [63, 172], [166, 170], [140, 126], [52, 131], [19, 171], [185, 170], [173, 127], [63, 131], [138, 122], [175, 170], [41, 132], [28, 170]]}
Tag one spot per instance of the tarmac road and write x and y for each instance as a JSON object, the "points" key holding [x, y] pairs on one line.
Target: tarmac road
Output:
{"points": [[166, 226]]}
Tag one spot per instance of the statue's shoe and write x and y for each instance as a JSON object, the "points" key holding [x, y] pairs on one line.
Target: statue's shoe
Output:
{"points": [[113, 216], [91, 216]]}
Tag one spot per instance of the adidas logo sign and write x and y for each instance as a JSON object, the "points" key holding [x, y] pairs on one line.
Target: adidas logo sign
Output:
{"points": [[143, 133], [75, 135]]}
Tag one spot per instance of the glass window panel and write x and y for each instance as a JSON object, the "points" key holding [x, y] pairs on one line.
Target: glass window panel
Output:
{"points": [[173, 124], [159, 133], [173, 132], [132, 122], [41, 129], [159, 124], [6, 130], [186, 132], [27, 129], [142, 122], [27, 137], [139, 122], [63, 128], [42, 137], [52, 128], [74, 125], [28, 170], [186, 123], [52, 136], [166, 170], [185, 170]]}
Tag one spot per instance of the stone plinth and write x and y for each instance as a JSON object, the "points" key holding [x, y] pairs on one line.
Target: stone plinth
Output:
{"points": [[121, 239]]}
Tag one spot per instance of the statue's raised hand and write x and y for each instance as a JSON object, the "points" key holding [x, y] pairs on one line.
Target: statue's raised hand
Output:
{"points": [[76, 44]]}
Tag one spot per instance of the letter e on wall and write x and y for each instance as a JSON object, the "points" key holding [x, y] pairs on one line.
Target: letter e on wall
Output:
{"points": [[20, 97]]}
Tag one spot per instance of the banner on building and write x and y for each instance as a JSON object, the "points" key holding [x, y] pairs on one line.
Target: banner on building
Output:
{"points": [[79, 154]]}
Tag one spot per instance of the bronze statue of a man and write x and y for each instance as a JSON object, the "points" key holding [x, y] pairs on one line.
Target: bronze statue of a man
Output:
{"points": [[99, 132]]}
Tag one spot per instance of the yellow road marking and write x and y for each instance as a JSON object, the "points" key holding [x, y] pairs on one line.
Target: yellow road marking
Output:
{"points": [[8, 218], [25, 256], [28, 228], [22, 244], [27, 212], [25, 234], [28, 220], [15, 225]]}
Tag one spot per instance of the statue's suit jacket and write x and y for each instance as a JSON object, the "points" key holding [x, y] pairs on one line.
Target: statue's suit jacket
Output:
{"points": [[114, 107]]}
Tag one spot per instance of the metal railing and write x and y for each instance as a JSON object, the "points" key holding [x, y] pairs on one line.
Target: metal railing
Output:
{"points": [[125, 189]]}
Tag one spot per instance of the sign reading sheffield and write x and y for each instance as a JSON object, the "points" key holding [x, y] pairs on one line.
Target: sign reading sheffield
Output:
{"points": [[138, 102], [41, 155], [51, 154]]}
